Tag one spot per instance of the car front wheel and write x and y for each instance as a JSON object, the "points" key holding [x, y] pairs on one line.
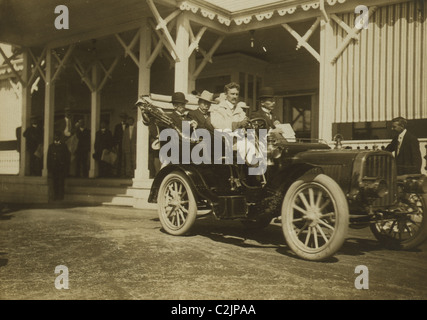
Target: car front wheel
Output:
{"points": [[406, 231], [315, 217]]}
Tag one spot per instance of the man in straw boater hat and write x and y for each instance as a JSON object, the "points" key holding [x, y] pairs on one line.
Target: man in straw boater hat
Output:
{"points": [[267, 103], [201, 114]]}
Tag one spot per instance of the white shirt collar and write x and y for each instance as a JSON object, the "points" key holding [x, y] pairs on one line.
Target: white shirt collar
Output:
{"points": [[266, 110], [402, 134], [230, 105]]}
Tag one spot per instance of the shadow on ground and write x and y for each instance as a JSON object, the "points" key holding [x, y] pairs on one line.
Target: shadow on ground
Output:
{"points": [[3, 261]]}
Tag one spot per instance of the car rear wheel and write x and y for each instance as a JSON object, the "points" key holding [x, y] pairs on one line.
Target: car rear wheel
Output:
{"points": [[176, 204], [406, 231], [315, 217]]}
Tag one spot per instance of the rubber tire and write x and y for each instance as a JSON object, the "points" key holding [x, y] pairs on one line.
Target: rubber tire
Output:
{"points": [[167, 225], [339, 202], [419, 238]]}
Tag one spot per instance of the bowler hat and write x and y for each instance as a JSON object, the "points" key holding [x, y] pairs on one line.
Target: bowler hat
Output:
{"points": [[206, 96], [266, 92], [179, 97]]}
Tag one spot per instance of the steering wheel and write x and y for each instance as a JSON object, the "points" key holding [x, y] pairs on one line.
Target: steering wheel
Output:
{"points": [[258, 123]]}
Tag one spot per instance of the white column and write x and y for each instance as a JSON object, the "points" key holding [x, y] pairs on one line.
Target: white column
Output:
{"points": [[191, 68], [95, 114], [25, 112], [142, 174], [49, 109], [326, 81], [181, 67]]}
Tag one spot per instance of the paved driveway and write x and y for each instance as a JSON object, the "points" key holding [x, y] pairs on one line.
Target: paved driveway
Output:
{"points": [[121, 253]]}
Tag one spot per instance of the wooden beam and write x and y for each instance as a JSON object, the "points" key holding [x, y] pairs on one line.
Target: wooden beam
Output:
{"points": [[128, 48], [301, 41], [208, 57], [345, 26], [12, 67], [107, 74], [37, 65], [195, 40], [63, 61], [162, 25], [168, 46], [350, 37], [83, 75]]}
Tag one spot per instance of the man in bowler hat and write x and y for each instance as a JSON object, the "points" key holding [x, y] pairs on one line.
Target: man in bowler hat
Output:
{"points": [[179, 114], [266, 107]]}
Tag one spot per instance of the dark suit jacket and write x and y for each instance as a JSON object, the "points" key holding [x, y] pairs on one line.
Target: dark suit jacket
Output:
{"points": [[264, 115], [118, 134], [103, 140], [33, 137], [58, 160], [199, 117], [178, 118], [408, 160], [128, 142], [83, 145]]}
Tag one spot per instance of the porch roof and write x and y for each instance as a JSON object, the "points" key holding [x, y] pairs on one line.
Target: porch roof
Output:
{"points": [[31, 23]]}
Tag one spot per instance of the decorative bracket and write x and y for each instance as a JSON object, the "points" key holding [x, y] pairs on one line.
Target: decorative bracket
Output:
{"points": [[38, 63], [352, 33], [162, 25], [207, 57], [129, 48], [302, 41], [62, 61], [8, 61]]}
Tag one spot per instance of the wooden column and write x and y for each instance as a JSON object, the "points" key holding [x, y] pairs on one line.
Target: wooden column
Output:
{"points": [[49, 109], [142, 174], [326, 85], [181, 67], [95, 115], [192, 68], [25, 112]]}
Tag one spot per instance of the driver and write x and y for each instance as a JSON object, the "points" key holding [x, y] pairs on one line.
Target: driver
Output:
{"points": [[229, 114], [267, 104]]}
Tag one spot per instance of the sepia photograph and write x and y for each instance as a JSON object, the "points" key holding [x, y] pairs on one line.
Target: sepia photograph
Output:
{"points": [[213, 156]]}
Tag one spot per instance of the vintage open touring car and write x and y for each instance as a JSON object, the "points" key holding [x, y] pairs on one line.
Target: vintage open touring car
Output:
{"points": [[316, 192]]}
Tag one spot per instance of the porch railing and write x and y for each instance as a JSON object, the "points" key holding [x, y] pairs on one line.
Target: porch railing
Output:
{"points": [[9, 162]]}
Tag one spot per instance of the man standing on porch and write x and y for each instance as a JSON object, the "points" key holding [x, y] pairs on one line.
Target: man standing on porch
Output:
{"points": [[83, 149], [119, 129], [129, 149]]}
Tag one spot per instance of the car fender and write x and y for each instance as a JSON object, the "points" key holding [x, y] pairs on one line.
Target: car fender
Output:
{"points": [[198, 184], [286, 176]]}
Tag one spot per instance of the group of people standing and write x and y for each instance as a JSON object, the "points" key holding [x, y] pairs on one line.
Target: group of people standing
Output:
{"points": [[69, 153]]}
